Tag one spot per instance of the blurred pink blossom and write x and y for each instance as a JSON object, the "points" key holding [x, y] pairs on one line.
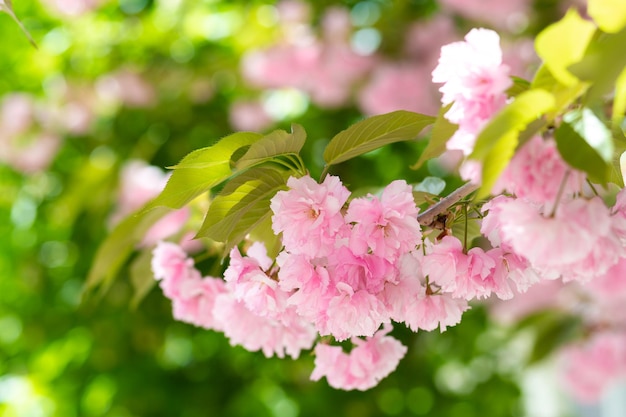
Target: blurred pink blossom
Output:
{"points": [[127, 87], [543, 295], [293, 11], [25, 144], [399, 87], [72, 8], [504, 15], [591, 367], [424, 39], [249, 116], [536, 172], [336, 25], [521, 57], [140, 183]]}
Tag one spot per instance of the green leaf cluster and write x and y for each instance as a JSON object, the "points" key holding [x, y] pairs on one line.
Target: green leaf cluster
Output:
{"points": [[242, 172]]}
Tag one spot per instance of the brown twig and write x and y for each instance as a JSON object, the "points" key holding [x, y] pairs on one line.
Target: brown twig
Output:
{"points": [[431, 213]]}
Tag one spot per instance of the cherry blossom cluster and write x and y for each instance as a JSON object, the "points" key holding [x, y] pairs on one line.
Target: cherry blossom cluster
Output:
{"points": [[547, 221], [347, 268], [350, 266]]}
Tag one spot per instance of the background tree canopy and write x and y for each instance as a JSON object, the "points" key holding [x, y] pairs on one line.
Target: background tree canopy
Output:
{"points": [[115, 86]]}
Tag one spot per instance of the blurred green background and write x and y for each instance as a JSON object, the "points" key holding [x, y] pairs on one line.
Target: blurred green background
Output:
{"points": [[100, 357]]}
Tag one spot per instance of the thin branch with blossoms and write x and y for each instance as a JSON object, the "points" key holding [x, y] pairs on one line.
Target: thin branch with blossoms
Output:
{"points": [[428, 217]]}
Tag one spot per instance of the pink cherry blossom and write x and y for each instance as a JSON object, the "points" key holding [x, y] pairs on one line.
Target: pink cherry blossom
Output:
{"points": [[474, 81], [443, 260], [490, 224], [192, 296], [353, 313], [361, 272], [435, 310], [247, 280], [387, 227], [172, 266], [519, 270], [554, 242], [309, 215], [402, 293], [310, 282], [196, 300], [369, 361], [475, 276], [287, 335]]}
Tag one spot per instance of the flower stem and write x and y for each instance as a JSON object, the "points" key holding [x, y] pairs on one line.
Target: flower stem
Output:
{"points": [[465, 234], [324, 173], [559, 194]]}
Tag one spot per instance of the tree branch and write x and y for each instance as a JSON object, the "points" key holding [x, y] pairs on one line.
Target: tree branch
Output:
{"points": [[429, 215]]}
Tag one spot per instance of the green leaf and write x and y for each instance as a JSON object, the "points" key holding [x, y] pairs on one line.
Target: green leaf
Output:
{"points": [[619, 101], [519, 86], [563, 95], [201, 170], [442, 131], [458, 228], [375, 132], [496, 143], [586, 143], [602, 64], [242, 205], [421, 197], [431, 185], [141, 277], [263, 232], [272, 145], [609, 15], [7, 7], [496, 161], [526, 108], [117, 248], [554, 332], [563, 43]]}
